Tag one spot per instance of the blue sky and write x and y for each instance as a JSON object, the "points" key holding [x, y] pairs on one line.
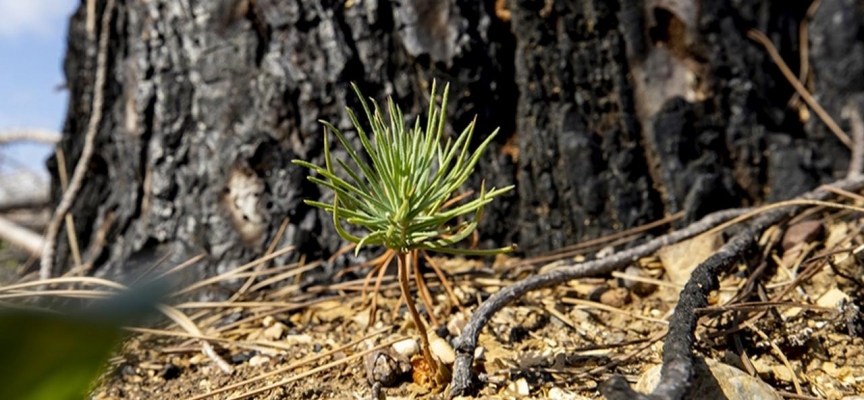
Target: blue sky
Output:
{"points": [[32, 47]]}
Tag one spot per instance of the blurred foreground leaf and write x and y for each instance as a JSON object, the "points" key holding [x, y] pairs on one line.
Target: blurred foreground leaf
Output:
{"points": [[48, 356], [58, 355]]}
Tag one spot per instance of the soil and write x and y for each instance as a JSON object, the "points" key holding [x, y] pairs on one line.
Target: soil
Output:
{"points": [[555, 343]]}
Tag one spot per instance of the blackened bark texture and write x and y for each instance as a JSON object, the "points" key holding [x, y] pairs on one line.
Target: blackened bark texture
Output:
{"points": [[613, 113]]}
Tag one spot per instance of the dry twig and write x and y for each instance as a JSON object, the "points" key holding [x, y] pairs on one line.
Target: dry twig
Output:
{"points": [[47, 265], [29, 135], [799, 87], [21, 237]]}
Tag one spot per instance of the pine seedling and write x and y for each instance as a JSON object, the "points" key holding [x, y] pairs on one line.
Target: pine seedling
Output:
{"points": [[404, 198]]}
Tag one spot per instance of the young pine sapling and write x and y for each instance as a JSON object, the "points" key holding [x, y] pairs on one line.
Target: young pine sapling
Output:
{"points": [[403, 197]]}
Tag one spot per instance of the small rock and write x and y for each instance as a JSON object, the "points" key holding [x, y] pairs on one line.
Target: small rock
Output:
{"points": [[457, 323], [520, 387], [385, 367], [480, 353], [680, 259], [298, 339], [615, 297], [258, 359], [714, 380], [242, 357], [275, 331], [637, 287], [362, 319], [801, 232], [832, 298], [406, 348], [781, 373]]}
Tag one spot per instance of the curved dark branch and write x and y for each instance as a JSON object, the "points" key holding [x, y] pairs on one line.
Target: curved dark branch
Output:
{"points": [[466, 343], [677, 370]]}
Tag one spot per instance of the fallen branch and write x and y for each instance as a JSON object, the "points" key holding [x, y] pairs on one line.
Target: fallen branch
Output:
{"points": [[676, 373], [21, 237], [29, 135], [47, 265], [466, 343]]}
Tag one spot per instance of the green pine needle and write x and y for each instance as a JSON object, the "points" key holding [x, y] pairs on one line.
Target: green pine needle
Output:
{"points": [[398, 197]]}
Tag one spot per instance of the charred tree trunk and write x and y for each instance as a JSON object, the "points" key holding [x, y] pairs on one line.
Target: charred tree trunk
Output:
{"points": [[613, 113]]}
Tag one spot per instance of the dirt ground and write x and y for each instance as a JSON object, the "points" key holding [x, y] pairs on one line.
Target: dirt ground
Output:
{"points": [[284, 343]]}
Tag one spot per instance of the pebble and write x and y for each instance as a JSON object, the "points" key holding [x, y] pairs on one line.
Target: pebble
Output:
{"points": [[638, 287], [457, 323], [385, 368], [258, 359], [832, 298], [520, 387], [275, 331], [615, 297], [406, 348], [801, 232], [714, 380]]}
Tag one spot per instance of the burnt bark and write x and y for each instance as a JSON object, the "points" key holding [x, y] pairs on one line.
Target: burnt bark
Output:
{"points": [[612, 113]]}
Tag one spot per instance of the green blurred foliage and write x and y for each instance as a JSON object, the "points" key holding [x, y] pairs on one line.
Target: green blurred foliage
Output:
{"points": [[49, 356]]}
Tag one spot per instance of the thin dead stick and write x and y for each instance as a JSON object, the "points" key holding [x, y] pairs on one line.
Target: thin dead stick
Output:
{"points": [[376, 292], [380, 264], [20, 236], [844, 193], [184, 322], [642, 279], [242, 321], [621, 359], [782, 204], [856, 163], [316, 370], [70, 222], [550, 309], [87, 280], [804, 45], [47, 262], [29, 135], [575, 248], [444, 280], [68, 293], [601, 306], [781, 356], [288, 367], [235, 304], [270, 250], [823, 115], [294, 271], [764, 305], [233, 273], [183, 265]]}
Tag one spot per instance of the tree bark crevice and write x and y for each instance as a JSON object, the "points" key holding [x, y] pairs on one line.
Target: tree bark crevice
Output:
{"points": [[612, 114]]}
